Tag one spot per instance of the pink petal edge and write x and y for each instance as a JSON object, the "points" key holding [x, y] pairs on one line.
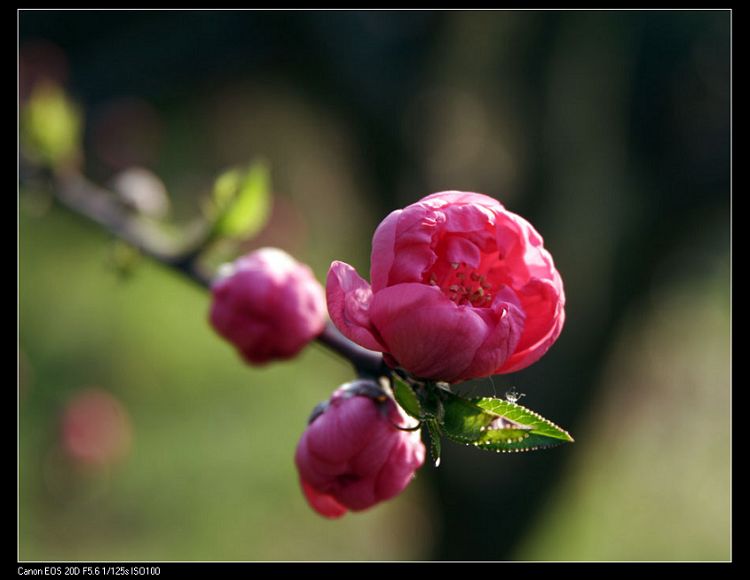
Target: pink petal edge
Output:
{"points": [[349, 296]]}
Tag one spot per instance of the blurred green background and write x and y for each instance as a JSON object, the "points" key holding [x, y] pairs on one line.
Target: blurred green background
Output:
{"points": [[609, 130]]}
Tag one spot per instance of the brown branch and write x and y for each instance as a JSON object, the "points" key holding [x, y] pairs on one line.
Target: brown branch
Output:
{"points": [[84, 198], [366, 362]]}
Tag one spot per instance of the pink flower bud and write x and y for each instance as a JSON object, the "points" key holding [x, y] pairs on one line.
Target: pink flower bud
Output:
{"points": [[352, 456], [461, 289], [268, 305]]}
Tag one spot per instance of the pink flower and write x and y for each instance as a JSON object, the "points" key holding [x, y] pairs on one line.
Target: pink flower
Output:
{"points": [[461, 289], [268, 305], [352, 456]]}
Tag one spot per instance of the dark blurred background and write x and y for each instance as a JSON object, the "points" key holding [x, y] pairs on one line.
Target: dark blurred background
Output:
{"points": [[608, 130]]}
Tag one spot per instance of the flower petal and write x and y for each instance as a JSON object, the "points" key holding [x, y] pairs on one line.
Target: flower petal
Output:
{"points": [[413, 253], [460, 249], [444, 198], [383, 246], [406, 457], [465, 218], [424, 331], [325, 505], [349, 297], [522, 248], [506, 323], [543, 301]]}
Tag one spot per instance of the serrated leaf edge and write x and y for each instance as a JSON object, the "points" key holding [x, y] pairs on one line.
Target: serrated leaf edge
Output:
{"points": [[530, 412], [517, 449]]}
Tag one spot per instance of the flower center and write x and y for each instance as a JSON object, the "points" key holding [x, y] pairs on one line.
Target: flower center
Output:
{"points": [[462, 284]]}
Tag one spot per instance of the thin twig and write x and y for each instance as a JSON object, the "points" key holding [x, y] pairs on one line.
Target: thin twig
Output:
{"points": [[366, 362], [84, 198]]}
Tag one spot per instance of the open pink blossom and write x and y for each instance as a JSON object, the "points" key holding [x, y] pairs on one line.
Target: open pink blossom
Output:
{"points": [[461, 289], [268, 305], [352, 456]]}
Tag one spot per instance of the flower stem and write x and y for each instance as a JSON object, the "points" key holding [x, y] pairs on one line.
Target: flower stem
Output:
{"points": [[366, 362]]}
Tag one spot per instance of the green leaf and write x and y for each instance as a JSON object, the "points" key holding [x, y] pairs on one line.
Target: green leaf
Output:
{"points": [[540, 432], [430, 401], [242, 198], [433, 429], [51, 126], [484, 422], [465, 421], [406, 397]]}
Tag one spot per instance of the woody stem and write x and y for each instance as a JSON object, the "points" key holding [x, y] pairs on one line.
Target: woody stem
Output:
{"points": [[83, 198]]}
